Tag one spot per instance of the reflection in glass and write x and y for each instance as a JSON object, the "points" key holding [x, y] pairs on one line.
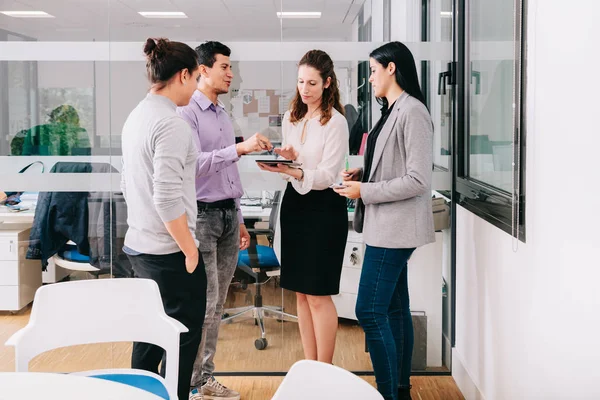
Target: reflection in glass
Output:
{"points": [[491, 77], [61, 136], [437, 87], [103, 91]]}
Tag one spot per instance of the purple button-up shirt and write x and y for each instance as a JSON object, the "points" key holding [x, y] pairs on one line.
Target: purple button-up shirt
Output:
{"points": [[217, 176]]}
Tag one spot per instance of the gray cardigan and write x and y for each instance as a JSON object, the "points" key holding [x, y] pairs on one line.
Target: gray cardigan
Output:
{"points": [[397, 196]]}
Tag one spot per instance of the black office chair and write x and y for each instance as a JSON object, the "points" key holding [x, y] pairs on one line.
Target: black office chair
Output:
{"points": [[258, 263]]}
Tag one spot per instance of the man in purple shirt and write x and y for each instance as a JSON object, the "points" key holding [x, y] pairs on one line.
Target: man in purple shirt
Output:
{"points": [[220, 227]]}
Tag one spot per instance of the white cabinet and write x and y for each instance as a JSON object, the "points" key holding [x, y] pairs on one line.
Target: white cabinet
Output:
{"points": [[19, 277], [345, 302]]}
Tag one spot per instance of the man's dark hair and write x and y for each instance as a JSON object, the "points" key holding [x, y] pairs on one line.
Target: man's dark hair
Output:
{"points": [[207, 52]]}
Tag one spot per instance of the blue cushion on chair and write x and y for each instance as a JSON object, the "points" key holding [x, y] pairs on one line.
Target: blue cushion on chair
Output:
{"points": [[69, 252], [266, 257], [144, 382]]}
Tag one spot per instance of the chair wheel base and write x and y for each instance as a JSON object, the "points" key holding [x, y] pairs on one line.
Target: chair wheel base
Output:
{"points": [[261, 344]]}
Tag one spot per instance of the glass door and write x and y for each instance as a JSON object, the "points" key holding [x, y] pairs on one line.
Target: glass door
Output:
{"points": [[433, 45], [437, 30]]}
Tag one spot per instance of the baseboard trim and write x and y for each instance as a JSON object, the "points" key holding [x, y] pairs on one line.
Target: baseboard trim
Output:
{"points": [[463, 379]]}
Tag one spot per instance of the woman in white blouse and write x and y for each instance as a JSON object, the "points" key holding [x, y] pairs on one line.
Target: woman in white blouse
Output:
{"points": [[314, 219]]}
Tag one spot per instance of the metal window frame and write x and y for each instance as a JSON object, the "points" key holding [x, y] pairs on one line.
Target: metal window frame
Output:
{"points": [[492, 204]]}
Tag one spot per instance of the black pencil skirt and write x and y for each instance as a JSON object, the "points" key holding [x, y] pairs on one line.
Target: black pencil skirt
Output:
{"points": [[314, 229]]}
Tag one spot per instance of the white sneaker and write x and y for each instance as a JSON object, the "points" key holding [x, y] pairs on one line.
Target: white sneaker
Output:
{"points": [[196, 394], [213, 390]]}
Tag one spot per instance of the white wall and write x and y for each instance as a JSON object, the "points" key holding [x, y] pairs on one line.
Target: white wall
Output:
{"points": [[527, 322], [376, 20], [406, 20], [374, 11], [63, 74]]}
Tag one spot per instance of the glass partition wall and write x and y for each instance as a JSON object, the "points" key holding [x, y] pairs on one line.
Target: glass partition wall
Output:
{"points": [[59, 179], [69, 81]]}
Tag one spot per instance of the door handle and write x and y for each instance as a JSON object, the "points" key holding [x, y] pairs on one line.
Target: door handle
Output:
{"points": [[477, 76], [442, 83], [445, 78]]}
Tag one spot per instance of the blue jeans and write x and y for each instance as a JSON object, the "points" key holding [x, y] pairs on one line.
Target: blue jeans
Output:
{"points": [[383, 310], [218, 232]]}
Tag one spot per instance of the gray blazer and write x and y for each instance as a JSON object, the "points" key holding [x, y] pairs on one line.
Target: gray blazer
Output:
{"points": [[397, 196]]}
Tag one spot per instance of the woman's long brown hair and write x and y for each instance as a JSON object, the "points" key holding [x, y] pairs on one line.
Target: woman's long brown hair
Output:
{"points": [[320, 61]]}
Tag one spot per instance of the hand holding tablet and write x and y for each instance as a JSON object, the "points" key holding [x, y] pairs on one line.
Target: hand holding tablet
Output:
{"points": [[274, 162]]}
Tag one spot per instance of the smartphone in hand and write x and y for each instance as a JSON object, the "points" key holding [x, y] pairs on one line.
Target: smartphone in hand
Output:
{"points": [[337, 186]]}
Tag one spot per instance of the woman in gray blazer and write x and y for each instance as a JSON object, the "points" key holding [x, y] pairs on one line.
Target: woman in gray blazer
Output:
{"points": [[393, 212]]}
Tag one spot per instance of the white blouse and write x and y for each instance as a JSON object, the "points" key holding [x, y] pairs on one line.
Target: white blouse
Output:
{"points": [[323, 153]]}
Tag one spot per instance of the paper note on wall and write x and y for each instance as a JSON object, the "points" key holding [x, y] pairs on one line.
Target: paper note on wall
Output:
{"points": [[237, 108], [264, 105], [253, 122], [284, 104], [259, 94]]}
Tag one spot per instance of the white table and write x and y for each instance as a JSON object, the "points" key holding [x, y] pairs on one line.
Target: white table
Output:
{"points": [[265, 213], [258, 212], [47, 386], [27, 216], [16, 217]]}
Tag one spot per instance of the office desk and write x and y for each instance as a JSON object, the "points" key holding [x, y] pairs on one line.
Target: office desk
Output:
{"points": [[251, 212], [19, 277], [263, 213], [102, 210], [35, 385], [22, 217], [256, 212]]}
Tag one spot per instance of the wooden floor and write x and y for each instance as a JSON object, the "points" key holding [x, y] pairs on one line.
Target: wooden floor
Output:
{"points": [[424, 387], [236, 351]]}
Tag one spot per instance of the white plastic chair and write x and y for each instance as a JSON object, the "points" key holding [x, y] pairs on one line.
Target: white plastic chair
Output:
{"points": [[99, 311], [315, 380]]}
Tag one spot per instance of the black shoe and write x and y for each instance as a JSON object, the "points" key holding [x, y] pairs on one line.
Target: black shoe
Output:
{"points": [[404, 393]]}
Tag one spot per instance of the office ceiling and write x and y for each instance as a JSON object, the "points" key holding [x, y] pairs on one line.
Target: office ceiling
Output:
{"points": [[226, 20]]}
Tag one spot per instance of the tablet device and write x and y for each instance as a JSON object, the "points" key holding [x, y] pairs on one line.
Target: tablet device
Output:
{"points": [[272, 161]]}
